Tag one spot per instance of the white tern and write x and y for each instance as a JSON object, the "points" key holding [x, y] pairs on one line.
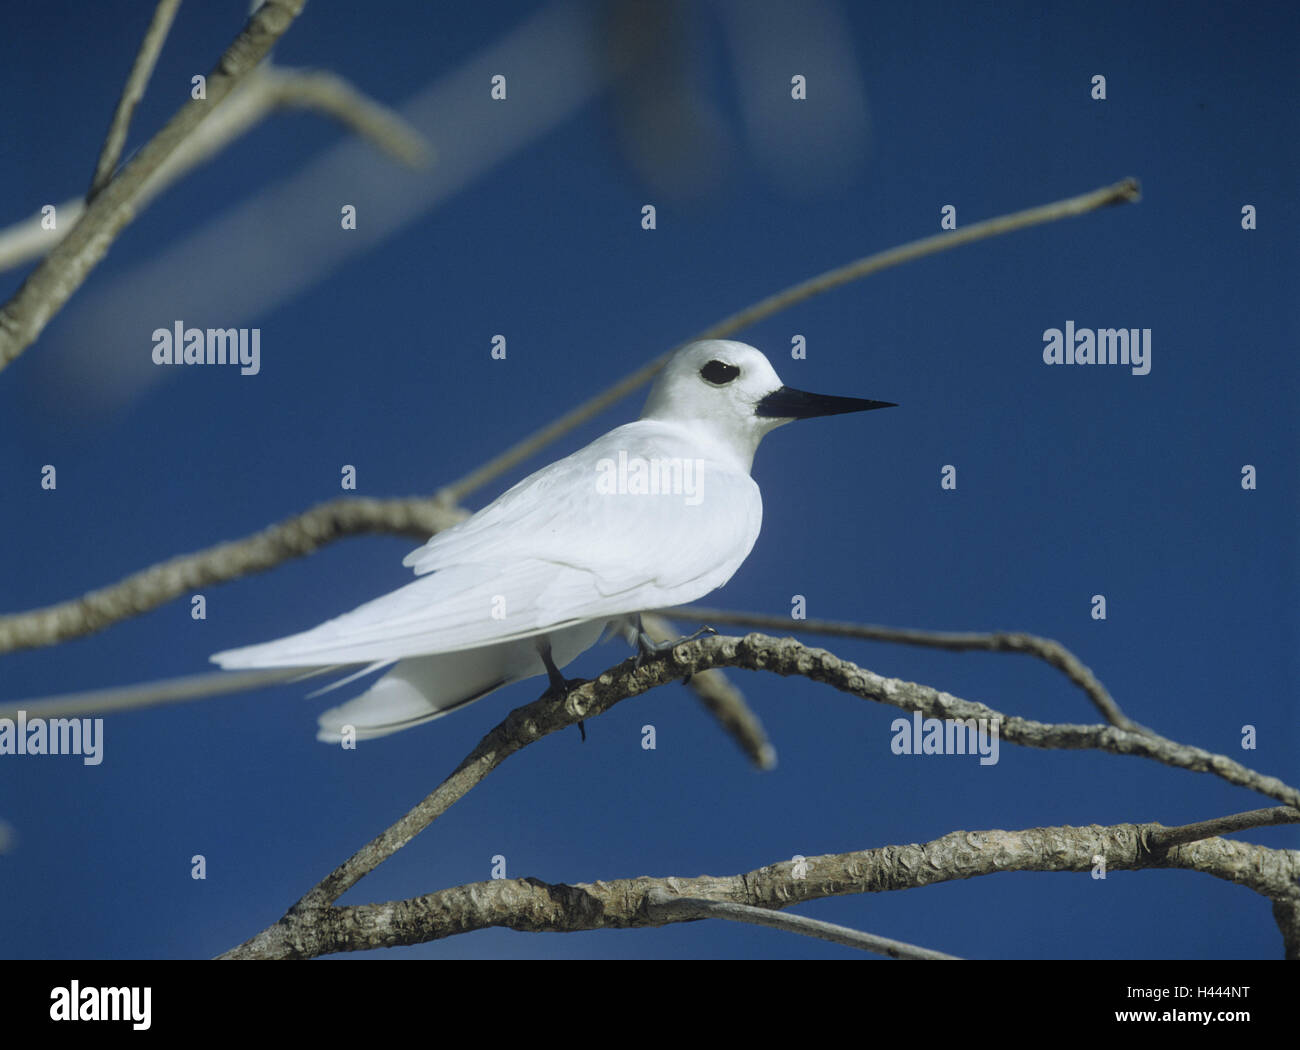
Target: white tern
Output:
{"points": [[653, 514]]}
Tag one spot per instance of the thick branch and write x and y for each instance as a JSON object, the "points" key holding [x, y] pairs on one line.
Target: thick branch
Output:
{"points": [[531, 722], [535, 906]]}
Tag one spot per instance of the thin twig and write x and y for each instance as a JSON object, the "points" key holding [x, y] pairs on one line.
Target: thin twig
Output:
{"points": [[49, 286], [1121, 192], [1046, 649], [1166, 838], [292, 538], [132, 93], [332, 95], [152, 694], [664, 905]]}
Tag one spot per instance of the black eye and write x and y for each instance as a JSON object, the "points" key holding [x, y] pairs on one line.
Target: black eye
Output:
{"points": [[719, 373]]}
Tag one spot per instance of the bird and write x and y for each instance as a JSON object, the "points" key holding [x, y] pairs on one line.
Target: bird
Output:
{"points": [[655, 513]]}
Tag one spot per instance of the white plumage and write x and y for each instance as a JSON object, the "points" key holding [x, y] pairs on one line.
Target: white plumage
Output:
{"points": [[574, 548]]}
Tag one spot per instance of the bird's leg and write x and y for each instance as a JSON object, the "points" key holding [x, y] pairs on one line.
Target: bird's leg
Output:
{"points": [[560, 686], [647, 646]]}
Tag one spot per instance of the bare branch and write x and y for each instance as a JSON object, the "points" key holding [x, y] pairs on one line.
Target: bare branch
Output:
{"points": [[136, 81], [533, 905], [785, 656], [1286, 912], [663, 905], [335, 97], [1167, 838], [722, 700], [30, 238], [1119, 193], [719, 697], [530, 723], [149, 588], [150, 694], [262, 92], [49, 286], [727, 704], [1046, 649]]}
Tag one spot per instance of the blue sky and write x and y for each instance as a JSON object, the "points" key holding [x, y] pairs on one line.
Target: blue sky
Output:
{"points": [[1072, 481]]}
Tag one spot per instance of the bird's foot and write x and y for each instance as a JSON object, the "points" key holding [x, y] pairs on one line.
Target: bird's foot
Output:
{"points": [[560, 687], [559, 691], [647, 646]]}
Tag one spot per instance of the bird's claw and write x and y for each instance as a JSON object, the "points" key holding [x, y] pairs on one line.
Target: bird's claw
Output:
{"points": [[647, 646], [560, 687]]}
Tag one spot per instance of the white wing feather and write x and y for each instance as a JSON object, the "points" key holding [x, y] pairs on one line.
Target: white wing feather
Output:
{"points": [[550, 552]]}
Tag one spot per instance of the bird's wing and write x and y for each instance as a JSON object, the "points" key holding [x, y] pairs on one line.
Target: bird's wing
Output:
{"points": [[566, 514], [557, 549]]}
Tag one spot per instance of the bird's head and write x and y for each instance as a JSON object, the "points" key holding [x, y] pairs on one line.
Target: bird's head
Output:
{"points": [[731, 392]]}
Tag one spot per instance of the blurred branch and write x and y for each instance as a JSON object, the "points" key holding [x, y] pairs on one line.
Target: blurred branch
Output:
{"points": [[49, 286], [141, 70], [165, 691], [1046, 649], [267, 89], [333, 96], [722, 700], [1120, 193]]}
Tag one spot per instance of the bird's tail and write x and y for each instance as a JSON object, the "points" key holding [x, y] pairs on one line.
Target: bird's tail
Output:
{"points": [[422, 688], [415, 691]]}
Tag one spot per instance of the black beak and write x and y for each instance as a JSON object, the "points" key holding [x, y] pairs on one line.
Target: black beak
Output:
{"points": [[798, 404]]}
